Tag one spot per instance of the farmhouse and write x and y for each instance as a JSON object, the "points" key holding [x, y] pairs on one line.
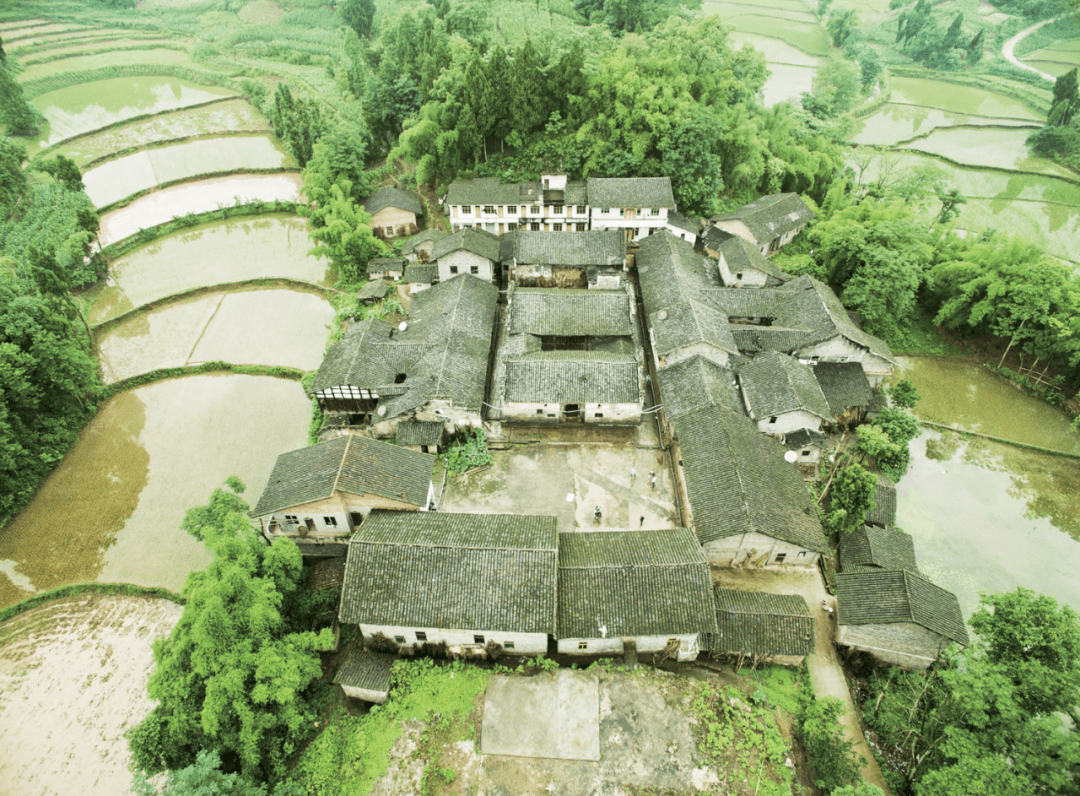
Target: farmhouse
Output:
{"points": [[765, 627], [695, 383], [469, 251], [682, 227], [554, 204], [770, 223], [782, 395], [564, 259], [385, 268], [872, 549], [742, 265], [421, 277], [471, 582], [394, 212], [366, 675], [649, 589], [897, 616], [637, 206], [417, 249], [846, 388], [320, 494]]}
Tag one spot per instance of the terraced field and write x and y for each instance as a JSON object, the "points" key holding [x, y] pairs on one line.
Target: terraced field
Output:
{"points": [[111, 57], [1002, 149], [1057, 59], [787, 20], [791, 70]]}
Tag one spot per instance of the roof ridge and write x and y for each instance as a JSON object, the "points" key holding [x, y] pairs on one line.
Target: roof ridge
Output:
{"points": [[341, 464], [444, 546]]}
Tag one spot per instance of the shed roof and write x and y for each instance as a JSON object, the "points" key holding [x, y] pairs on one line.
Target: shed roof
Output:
{"points": [[394, 197], [713, 236], [478, 241], [356, 465], [603, 248], [871, 547], [573, 377], [570, 313], [758, 623], [884, 511], [630, 192], [432, 234], [633, 583], [419, 432], [890, 596], [366, 670], [679, 221], [775, 383], [770, 216], [741, 255], [483, 572], [375, 289], [694, 383], [844, 385]]}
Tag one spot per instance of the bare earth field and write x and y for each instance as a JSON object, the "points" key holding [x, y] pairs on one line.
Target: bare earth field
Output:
{"points": [[73, 679]]}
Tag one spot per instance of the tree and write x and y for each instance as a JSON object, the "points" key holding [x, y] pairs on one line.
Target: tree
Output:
{"points": [[890, 457], [1066, 99], [841, 25], [851, 498], [359, 15], [234, 676], [862, 789], [832, 756], [898, 424], [689, 158], [836, 88], [204, 777], [13, 182], [64, 171], [19, 116], [904, 394], [346, 237]]}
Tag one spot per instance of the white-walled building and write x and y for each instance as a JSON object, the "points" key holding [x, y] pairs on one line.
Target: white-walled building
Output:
{"points": [[638, 206], [469, 251], [782, 395], [770, 223]]}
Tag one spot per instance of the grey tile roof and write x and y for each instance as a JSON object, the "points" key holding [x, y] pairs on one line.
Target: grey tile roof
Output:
{"points": [[890, 596], [694, 383], [844, 384], [352, 464], [821, 312], [738, 482], [351, 360], [754, 339], [606, 247], [570, 313], [482, 572], [884, 511], [380, 264], [328, 573], [670, 272], [804, 438], [691, 323], [573, 377], [633, 583], [776, 383], [394, 197], [376, 289], [421, 274], [679, 221], [419, 432], [478, 241], [758, 623], [630, 192], [366, 670], [741, 255], [489, 191], [771, 216], [877, 548], [713, 236], [422, 237]]}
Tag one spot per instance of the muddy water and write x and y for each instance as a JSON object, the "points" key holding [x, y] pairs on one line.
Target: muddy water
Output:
{"points": [[791, 71], [228, 251], [196, 197], [111, 511]]}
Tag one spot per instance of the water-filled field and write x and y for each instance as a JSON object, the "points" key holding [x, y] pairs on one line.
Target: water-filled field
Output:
{"points": [[1003, 149], [197, 197], [36, 41], [116, 179], [111, 511], [894, 123], [959, 99], [131, 41], [214, 254], [794, 26], [104, 59], [82, 108], [254, 327], [1057, 59], [791, 70]]}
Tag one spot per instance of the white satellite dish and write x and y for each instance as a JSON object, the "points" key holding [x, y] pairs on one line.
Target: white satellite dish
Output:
{"points": [[662, 315], [790, 456], [401, 327], [381, 411]]}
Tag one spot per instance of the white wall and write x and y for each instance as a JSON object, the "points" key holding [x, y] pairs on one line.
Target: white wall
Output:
{"points": [[464, 261], [679, 232], [688, 645], [840, 349], [612, 413], [788, 421], [458, 640], [750, 278], [755, 549], [619, 218]]}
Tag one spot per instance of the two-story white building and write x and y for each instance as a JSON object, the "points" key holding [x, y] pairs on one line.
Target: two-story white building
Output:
{"points": [[554, 204], [637, 205]]}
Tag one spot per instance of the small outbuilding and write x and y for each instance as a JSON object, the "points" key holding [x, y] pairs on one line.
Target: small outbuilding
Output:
{"points": [[871, 549], [422, 436], [417, 249], [847, 390], [373, 292], [366, 675], [765, 627], [782, 394], [385, 268], [770, 223], [421, 277], [682, 227], [394, 212], [741, 265], [883, 514], [470, 251]]}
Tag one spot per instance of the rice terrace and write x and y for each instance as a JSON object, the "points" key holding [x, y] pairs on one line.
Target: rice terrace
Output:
{"points": [[583, 397]]}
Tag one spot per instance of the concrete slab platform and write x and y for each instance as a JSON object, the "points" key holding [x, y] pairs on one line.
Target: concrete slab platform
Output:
{"points": [[554, 715]]}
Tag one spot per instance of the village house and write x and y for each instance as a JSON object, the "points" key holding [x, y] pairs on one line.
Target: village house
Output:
{"points": [[554, 204], [682, 227], [747, 504], [421, 277], [417, 249], [467, 583], [373, 292], [394, 212], [638, 206], [807, 446], [872, 549], [741, 265], [422, 436], [883, 513], [770, 223], [564, 259], [431, 367], [897, 616], [646, 590], [470, 251], [695, 383], [320, 494], [846, 388], [365, 675], [782, 395], [767, 628], [385, 268]]}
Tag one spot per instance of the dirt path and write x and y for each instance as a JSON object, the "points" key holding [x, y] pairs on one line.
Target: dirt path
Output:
{"points": [[1009, 47], [826, 673]]}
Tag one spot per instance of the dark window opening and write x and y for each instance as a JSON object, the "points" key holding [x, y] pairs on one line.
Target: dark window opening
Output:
{"points": [[399, 639], [554, 343], [357, 518], [780, 558], [583, 645], [421, 635], [509, 645], [453, 269], [474, 269], [772, 420], [400, 378], [478, 639]]}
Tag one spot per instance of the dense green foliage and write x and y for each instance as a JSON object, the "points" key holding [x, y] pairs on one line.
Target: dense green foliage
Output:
{"points": [[297, 121], [1060, 138], [885, 441], [832, 756], [204, 777], [235, 674], [18, 115], [634, 16], [904, 394], [467, 452], [851, 497]]}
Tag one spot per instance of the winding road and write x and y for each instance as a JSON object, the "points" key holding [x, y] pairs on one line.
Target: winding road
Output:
{"points": [[1009, 46]]}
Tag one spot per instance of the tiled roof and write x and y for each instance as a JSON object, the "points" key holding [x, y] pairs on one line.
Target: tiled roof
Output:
{"points": [[380, 264], [804, 438], [489, 191], [844, 384], [352, 464], [877, 548], [573, 377], [738, 482], [713, 236], [421, 274], [606, 247], [822, 314], [570, 313], [483, 572], [419, 432], [478, 241], [758, 623], [679, 221], [694, 383], [775, 383], [633, 583], [771, 216], [630, 192], [375, 289], [366, 670], [884, 511], [328, 573], [754, 339], [422, 237], [890, 596], [393, 197], [741, 255], [688, 324], [670, 272]]}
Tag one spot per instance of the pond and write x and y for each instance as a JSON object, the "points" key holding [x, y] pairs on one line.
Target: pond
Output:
{"points": [[112, 510], [196, 197]]}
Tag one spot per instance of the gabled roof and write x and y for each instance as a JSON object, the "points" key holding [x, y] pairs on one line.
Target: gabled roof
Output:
{"points": [[419, 432], [884, 511], [477, 241], [366, 670], [394, 197], [741, 255], [630, 192], [481, 572], [671, 272], [690, 323], [758, 623], [380, 264], [570, 313], [843, 384], [375, 289], [776, 383], [573, 377], [713, 236], [822, 314], [738, 482], [421, 273], [694, 383], [891, 596], [803, 438], [356, 465], [679, 221], [770, 216], [603, 248], [615, 584], [489, 191], [877, 548], [432, 234]]}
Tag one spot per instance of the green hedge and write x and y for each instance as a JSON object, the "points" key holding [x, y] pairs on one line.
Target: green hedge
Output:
{"points": [[129, 589], [276, 371]]}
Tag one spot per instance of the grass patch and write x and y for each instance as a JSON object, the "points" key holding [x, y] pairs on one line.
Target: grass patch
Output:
{"points": [[921, 337], [129, 589], [780, 684]]}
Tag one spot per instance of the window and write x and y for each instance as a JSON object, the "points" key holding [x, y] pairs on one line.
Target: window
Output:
{"points": [[508, 645], [580, 210], [556, 227], [738, 276], [772, 420], [580, 227], [511, 227], [399, 639], [534, 226], [478, 639], [453, 269], [605, 210], [511, 210], [654, 211], [421, 635], [330, 522], [582, 645], [489, 209], [806, 453], [672, 642], [599, 414], [292, 518], [535, 210], [539, 411], [557, 209], [780, 558], [474, 269], [466, 208]]}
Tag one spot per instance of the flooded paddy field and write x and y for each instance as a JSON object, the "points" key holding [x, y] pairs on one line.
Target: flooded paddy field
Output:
{"points": [[895, 123], [1003, 149], [82, 108], [218, 118], [92, 46], [72, 34], [254, 327], [112, 509], [116, 179], [111, 57], [955, 98], [787, 20], [213, 254], [73, 677], [791, 71], [1057, 59], [196, 197]]}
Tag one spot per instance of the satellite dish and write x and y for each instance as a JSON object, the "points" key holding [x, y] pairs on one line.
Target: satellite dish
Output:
{"points": [[662, 315], [381, 411], [790, 456], [401, 327]]}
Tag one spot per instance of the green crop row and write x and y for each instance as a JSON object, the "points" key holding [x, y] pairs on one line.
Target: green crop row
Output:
{"points": [[164, 44], [129, 589]]}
